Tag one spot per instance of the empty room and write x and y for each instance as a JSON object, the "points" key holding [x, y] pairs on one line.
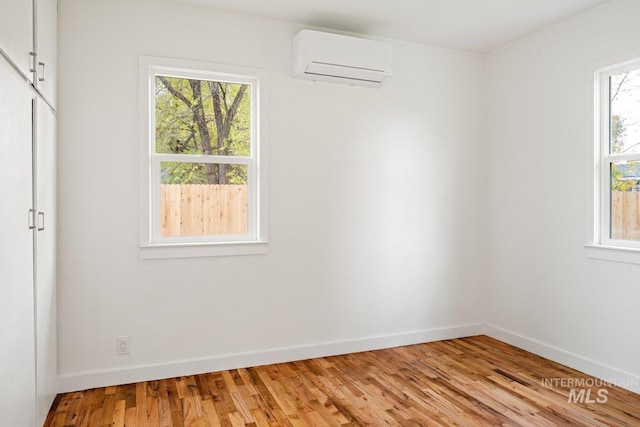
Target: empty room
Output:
{"points": [[319, 213]]}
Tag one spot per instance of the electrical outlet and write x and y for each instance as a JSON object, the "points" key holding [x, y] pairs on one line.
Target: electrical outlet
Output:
{"points": [[123, 344]]}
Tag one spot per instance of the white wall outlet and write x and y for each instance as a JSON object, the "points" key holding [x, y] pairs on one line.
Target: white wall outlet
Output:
{"points": [[123, 344]]}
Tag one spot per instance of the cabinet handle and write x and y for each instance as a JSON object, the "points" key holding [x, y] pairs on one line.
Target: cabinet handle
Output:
{"points": [[32, 219], [41, 73], [32, 62], [40, 221]]}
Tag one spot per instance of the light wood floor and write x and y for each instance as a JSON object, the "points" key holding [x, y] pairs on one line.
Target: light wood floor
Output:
{"points": [[474, 381]]}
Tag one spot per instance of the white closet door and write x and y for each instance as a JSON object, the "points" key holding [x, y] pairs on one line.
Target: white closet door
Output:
{"points": [[46, 19], [45, 273], [16, 31], [17, 352]]}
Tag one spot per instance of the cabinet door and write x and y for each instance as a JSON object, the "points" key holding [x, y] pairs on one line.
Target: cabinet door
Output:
{"points": [[17, 373], [16, 32], [45, 250], [45, 20]]}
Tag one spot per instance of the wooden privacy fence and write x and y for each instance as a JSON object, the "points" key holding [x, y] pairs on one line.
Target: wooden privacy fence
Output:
{"points": [[200, 210], [625, 215]]}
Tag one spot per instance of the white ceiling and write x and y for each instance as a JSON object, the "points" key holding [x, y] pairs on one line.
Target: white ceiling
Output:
{"points": [[472, 25]]}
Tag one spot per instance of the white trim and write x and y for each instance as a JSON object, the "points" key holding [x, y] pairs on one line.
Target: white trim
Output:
{"points": [[152, 245], [617, 158], [623, 379], [144, 130], [593, 209], [91, 379], [86, 380], [603, 147], [613, 253], [599, 245], [195, 158], [194, 250]]}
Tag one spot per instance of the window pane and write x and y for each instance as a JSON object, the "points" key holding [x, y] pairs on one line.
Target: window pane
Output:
{"points": [[203, 199], [625, 200], [202, 117], [624, 89]]}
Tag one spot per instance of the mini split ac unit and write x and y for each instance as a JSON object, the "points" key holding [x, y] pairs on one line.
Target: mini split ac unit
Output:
{"points": [[341, 59]]}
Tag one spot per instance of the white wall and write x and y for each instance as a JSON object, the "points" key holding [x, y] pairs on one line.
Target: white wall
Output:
{"points": [[544, 294], [376, 205]]}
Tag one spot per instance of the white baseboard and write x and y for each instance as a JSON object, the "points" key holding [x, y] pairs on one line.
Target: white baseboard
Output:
{"points": [[591, 367], [86, 380]]}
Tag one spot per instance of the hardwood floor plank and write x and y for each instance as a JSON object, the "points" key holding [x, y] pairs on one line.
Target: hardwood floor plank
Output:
{"points": [[95, 418], [153, 411], [119, 414], [131, 417], [141, 404], [248, 381], [210, 413], [57, 419], [243, 405], [191, 403], [107, 409], [474, 381], [72, 408]]}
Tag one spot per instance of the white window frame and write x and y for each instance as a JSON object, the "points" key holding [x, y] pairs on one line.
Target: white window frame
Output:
{"points": [[607, 158], [599, 244], [152, 244]]}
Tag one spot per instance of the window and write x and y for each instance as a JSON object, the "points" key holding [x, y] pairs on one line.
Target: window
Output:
{"points": [[618, 156], [202, 173]]}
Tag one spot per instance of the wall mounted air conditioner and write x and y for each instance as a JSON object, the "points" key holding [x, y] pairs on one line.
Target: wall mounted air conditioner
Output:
{"points": [[341, 59]]}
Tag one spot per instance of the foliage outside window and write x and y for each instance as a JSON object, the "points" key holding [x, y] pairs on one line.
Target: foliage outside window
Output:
{"points": [[620, 156], [203, 154]]}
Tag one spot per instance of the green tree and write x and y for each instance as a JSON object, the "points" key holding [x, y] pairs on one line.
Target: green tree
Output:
{"points": [[618, 133], [617, 181], [202, 117]]}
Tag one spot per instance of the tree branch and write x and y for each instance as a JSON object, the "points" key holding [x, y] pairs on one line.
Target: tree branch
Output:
{"points": [[217, 110], [619, 86], [231, 112], [174, 92]]}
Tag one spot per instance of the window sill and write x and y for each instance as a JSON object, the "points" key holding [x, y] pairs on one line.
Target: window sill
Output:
{"points": [[197, 250], [613, 253]]}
